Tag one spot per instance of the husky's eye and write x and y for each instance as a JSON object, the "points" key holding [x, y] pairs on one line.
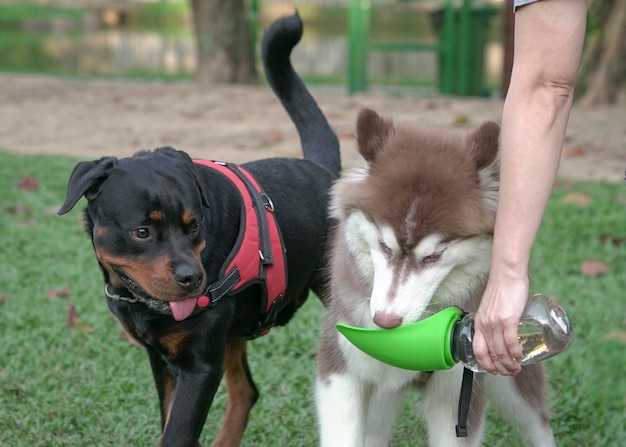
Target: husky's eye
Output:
{"points": [[432, 258], [384, 247]]}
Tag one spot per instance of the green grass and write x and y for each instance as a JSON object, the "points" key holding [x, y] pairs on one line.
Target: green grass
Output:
{"points": [[90, 387]]}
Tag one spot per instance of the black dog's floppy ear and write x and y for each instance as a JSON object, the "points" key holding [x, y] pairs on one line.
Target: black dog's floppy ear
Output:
{"points": [[192, 168], [196, 175], [84, 177]]}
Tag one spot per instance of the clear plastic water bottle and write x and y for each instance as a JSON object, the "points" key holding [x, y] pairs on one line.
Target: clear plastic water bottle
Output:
{"points": [[544, 331]]}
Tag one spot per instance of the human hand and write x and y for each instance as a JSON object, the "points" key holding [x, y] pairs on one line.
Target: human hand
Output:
{"points": [[496, 343]]}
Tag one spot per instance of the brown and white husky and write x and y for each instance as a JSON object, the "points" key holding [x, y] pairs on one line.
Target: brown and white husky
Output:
{"points": [[414, 236]]}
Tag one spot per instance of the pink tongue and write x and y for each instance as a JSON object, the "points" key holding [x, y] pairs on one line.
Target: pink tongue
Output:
{"points": [[182, 309]]}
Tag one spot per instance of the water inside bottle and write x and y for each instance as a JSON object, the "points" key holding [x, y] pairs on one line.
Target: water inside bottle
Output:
{"points": [[545, 334], [533, 342]]}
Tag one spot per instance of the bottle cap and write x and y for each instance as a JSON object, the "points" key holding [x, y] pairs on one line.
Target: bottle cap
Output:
{"points": [[421, 346]]}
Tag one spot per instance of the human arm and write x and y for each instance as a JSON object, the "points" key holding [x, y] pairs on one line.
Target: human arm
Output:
{"points": [[549, 37]]}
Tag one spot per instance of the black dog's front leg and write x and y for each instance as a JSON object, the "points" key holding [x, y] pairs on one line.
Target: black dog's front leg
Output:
{"points": [[187, 363], [164, 381], [189, 404]]}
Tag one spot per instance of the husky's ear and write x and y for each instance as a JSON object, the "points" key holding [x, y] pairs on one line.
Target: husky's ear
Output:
{"points": [[483, 144], [372, 131]]}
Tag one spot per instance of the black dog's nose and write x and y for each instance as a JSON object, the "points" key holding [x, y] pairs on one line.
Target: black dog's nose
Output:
{"points": [[188, 276]]}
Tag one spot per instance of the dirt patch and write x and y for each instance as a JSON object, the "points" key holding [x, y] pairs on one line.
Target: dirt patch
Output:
{"points": [[91, 119]]}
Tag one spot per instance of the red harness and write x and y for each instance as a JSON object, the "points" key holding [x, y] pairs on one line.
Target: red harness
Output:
{"points": [[258, 256]]}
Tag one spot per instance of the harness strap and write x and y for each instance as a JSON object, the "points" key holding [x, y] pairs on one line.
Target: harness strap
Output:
{"points": [[221, 287], [258, 255], [260, 207], [464, 402]]}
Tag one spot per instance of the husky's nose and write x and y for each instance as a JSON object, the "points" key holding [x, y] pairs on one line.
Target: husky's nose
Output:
{"points": [[387, 320]]}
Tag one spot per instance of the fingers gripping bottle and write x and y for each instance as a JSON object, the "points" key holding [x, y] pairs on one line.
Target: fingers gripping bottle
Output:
{"points": [[543, 332], [444, 339]]}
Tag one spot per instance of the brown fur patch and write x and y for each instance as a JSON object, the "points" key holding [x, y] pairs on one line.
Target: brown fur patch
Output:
{"points": [[199, 249], [100, 231], [154, 276], [168, 383], [173, 342], [156, 215], [188, 217]]}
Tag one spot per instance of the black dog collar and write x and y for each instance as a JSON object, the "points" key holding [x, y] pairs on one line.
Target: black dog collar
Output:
{"points": [[154, 304]]}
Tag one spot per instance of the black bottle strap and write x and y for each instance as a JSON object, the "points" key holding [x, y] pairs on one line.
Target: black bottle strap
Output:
{"points": [[464, 402]]}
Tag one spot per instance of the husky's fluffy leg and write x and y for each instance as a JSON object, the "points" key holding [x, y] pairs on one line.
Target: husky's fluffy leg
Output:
{"points": [[381, 414], [357, 397], [354, 413], [341, 401], [521, 400], [439, 408]]}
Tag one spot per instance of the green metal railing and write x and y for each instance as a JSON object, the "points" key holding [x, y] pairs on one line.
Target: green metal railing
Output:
{"points": [[462, 34]]}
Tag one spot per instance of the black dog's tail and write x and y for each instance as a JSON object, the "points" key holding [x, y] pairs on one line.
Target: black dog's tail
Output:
{"points": [[319, 142]]}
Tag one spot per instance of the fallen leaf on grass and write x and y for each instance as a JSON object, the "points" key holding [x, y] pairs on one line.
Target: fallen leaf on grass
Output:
{"points": [[28, 184], [608, 238], [73, 321], [72, 317], [57, 293], [616, 335], [577, 198], [594, 267], [3, 299]]}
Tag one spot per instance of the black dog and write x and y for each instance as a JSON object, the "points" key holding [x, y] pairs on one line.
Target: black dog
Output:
{"points": [[166, 229]]}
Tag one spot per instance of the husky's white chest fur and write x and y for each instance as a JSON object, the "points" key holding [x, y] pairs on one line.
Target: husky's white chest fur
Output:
{"points": [[414, 236]]}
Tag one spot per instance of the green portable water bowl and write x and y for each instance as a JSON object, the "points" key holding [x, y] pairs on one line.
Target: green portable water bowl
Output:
{"points": [[420, 346]]}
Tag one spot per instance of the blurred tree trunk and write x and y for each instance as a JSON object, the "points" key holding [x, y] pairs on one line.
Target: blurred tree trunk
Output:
{"points": [[603, 72], [224, 42]]}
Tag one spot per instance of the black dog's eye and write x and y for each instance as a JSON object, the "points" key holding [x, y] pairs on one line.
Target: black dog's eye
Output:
{"points": [[195, 228], [141, 233]]}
